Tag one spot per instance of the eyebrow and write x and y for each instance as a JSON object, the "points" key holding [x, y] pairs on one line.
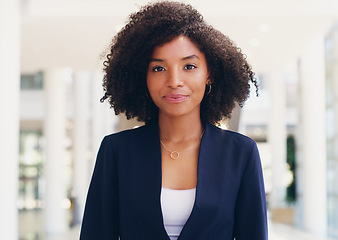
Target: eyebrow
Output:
{"points": [[156, 60], [190, 57], [185, 58]]}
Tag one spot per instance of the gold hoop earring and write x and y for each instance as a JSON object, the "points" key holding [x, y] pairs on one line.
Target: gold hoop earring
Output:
{"points": [[209, 89]]}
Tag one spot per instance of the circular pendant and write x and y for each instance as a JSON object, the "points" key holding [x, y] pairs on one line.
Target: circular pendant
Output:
{"points": [[174, 155]]}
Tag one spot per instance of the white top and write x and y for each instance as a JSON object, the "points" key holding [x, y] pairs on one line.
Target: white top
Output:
{"points": [[176, 209]]}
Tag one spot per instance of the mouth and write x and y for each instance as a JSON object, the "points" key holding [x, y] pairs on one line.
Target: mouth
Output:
{"points": [[175, 98]]}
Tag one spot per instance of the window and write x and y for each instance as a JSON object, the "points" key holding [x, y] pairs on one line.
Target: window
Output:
{"points": [[32, 81]]}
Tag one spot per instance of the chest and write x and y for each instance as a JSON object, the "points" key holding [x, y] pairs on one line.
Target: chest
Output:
{"points": [[180, 173], [216, 179]]}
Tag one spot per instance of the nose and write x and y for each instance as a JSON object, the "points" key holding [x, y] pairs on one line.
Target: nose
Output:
{"points": [[174, 79]]}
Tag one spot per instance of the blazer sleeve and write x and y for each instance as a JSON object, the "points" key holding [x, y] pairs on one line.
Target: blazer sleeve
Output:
{"points": [[250, 210], [100, 219]]}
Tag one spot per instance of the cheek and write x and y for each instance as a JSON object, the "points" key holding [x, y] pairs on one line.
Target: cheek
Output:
{"points": [[201, 82], [153, 86], [149, 82], [202, 91]]}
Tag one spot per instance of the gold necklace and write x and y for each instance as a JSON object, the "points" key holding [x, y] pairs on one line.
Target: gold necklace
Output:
{"points": [[176, 154]]}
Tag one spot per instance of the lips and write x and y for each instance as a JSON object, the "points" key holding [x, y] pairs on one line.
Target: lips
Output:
{"points": [[175, 98]]}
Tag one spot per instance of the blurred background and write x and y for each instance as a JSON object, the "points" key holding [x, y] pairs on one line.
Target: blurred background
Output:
{"points": [[52, 121]]}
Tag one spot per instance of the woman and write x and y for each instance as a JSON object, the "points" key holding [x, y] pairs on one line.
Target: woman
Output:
{"points": [[179, 176]]}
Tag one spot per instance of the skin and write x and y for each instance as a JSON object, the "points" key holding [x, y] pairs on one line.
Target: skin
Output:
{"points": [[177, 77]]}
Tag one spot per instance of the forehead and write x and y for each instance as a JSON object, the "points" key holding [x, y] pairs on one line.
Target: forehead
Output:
{"points": [[179, 47]]}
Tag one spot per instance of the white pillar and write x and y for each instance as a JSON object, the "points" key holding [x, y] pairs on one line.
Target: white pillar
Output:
{"points": [[312, 137], [55, 134], [81, 158], [9, 120], [277, 137]]}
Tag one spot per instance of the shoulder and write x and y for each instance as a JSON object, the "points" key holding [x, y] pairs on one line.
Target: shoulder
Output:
{"points": [[237, 149], [230, 137], [125, 133], [131, 135]]}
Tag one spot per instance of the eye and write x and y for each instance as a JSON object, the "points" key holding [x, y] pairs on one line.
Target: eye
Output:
{"points": [[158, 69], [189, 67]]}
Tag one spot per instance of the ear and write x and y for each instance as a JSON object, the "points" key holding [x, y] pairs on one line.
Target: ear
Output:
{"points": [[209, 81]]}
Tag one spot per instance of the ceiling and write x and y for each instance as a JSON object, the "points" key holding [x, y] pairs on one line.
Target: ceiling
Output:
{"points": [[76, 33]]}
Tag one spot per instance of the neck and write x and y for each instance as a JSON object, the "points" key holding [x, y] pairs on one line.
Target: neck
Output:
{"points": [[179, 129]]}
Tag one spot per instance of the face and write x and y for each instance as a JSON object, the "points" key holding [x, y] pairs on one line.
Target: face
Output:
{"points": [[177, 77]]}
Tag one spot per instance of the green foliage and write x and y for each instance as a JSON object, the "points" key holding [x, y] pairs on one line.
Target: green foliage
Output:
{"points": [[291, 161]]}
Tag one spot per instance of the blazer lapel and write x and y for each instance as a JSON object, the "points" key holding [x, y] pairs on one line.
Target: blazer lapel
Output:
{"points": [[207, 185], [150, 182]]}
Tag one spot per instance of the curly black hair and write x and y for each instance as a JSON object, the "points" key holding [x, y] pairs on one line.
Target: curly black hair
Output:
{"points": [[127, 62]]}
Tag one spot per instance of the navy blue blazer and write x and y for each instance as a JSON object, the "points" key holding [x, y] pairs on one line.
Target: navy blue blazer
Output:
{"points": [[124, 195]]}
